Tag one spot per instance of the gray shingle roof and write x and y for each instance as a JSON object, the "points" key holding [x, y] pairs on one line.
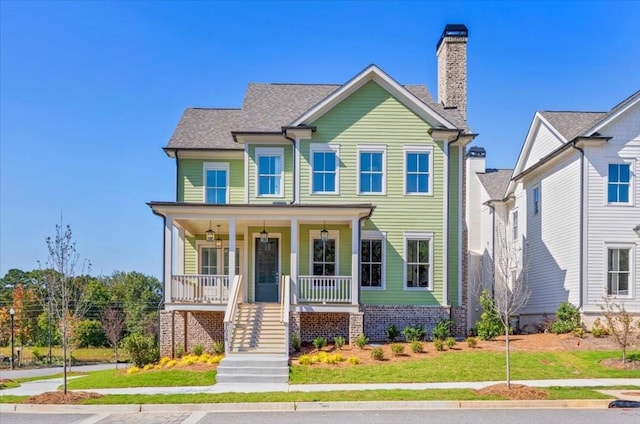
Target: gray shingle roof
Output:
{"points": [[496, 182], [268, 107], [572, 124]]}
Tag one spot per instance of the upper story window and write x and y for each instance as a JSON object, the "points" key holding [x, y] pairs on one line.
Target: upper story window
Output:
{"points": [[418, 259], [417, 166], [618, 271], [536, 200], [372, 169], [324, 169], [216, 182], [619, 183], [270, 171], [514, 225]]}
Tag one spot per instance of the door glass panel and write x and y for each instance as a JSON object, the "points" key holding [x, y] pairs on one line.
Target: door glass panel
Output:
{"points": [[209, 261]]}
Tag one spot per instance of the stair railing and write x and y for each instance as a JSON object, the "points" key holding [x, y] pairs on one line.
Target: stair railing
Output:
{"points": [[235, 297], [285, 308]]}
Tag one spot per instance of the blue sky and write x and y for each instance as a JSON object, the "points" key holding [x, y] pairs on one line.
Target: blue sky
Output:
{"points": [[91, 91]]}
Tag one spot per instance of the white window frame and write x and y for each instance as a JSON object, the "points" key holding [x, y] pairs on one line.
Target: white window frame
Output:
{"points": [[418, 235], [514, 225], [333, 235], [417, 149], [618, 161], [220, 259], [536, 208], [324, 148], [269, 151], [631, 248], [372, 148], [382, 236], [214, 166]]}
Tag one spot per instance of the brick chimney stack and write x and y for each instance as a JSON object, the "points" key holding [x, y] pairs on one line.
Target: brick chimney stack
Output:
{"points": [[452, 67]]}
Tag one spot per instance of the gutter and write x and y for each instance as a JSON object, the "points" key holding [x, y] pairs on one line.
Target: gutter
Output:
{"points": [[294, 184], [574, 145], [177, 176]]}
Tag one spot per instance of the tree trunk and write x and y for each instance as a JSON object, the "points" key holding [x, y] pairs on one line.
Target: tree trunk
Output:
{"points": [[506, 333]]}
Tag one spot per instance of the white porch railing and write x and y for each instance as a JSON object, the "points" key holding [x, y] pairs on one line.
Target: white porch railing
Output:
{"points": [[324, 289], [200, 288], [237, 297], [285, 308]]}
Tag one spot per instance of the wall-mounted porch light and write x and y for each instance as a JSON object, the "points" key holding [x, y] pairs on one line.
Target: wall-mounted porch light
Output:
{"points": [[324, 234], [636, 229], [264, 235], [218, 239], [209, 233]]}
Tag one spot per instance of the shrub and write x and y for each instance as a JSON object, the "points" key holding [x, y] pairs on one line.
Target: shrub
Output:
{"points": [[353, 360], [392, 333], [438, 345], [414, 333], [37, 356], [304, 360], [91, 334], [142, 350], [215, 360], [218, 347], [319, 342], [397, 349], [472, 342], [133, 370], [450, 342], [567, 319], [377, 353], [489, 325], [442, 330], [198, 349], [361, 341], [179, 351], [296, 343], [339, 341], [598, 330], [578, 332], [417, 346]]}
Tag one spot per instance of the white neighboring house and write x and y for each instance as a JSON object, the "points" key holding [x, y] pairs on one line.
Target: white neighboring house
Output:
{"points": [[576, 195]]}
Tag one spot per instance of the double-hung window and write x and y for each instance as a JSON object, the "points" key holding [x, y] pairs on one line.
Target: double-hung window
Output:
{"points": [[417, 168], [372, 169], [324, 254], [536, 200], [270, 171], [419, 260], [324, 169], [514, 225], [372, 260], [618, 271], [216, 182], [619, 183]]}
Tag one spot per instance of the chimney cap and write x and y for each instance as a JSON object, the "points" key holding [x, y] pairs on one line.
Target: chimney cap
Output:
{"points": [[476, 152], [453, 30]]}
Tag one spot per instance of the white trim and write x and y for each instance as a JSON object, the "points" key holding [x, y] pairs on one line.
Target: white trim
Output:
{"points": [[254, 237], [269, 151], [418, 235], [620, 161], [324, 148], [215, 166], [411, 148], [536, 187], [246, 173], [220, 255], [372, 148], [632, 256], [297, 164], [461, 215], [333, 235], [375, 235], [613, 117], [445, 229]]}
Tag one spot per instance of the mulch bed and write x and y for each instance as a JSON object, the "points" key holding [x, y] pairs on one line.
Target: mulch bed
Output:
{"points": [[60, 398], [516, 392]]}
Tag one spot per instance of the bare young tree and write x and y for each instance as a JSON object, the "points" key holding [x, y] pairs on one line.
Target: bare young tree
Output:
{"points": [[66, 291], [113, 325], [508, 280], [620, 325]]}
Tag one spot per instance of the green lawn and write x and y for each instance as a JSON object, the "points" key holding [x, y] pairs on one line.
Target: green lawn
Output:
{"points": [[157, 378], [81, 355]]}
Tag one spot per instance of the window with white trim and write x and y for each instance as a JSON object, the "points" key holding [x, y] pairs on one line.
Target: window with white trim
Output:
{"points": [[514, 225], [372, 169], [215, 261], [324, 254], [216, 182], [418, 163], [372, 254], [619, 183], [618, 271], [418, 259], [270, 171], [535, 203], [324, 169]]}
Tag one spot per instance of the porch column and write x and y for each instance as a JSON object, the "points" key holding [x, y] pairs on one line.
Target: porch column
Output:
{"points": [[179, 251], [355, 257], [232, 252], [294, 261], [168, 257]]}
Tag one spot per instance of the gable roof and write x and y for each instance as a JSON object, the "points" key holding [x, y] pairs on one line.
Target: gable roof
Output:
{"points": [[268, 107], [495, 182], [572, 124]]}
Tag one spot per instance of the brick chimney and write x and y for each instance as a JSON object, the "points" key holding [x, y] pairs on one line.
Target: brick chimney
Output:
{"points": [[452, 67]]}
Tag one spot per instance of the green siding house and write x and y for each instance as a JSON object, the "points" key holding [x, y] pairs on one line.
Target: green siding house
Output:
{"points": [[318, 210]]}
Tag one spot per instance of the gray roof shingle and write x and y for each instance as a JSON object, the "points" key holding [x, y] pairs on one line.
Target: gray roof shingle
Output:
{"points": [[572, 124], [495, 181], [267, 108]]}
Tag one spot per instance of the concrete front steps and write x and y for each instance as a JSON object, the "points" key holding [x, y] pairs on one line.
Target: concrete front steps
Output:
{"points": [[258, 352]]}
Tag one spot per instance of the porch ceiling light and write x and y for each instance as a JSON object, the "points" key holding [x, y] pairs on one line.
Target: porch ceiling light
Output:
{"points": [[209, 233], [324, 234], [636, 229], [264, 235], [218, 239]]}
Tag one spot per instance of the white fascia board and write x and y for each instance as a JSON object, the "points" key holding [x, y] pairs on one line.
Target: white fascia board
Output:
{"points": [[240, 212], [373, 73], [613, 117], [210, 154], [262, 138]]}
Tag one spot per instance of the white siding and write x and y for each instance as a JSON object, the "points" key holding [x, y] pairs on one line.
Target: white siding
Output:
{"points": [[613, 223], [545, 143]]}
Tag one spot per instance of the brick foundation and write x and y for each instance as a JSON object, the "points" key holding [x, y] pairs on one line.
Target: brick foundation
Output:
{"points": [[323, 324], [378, 317], [188, 329]]}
